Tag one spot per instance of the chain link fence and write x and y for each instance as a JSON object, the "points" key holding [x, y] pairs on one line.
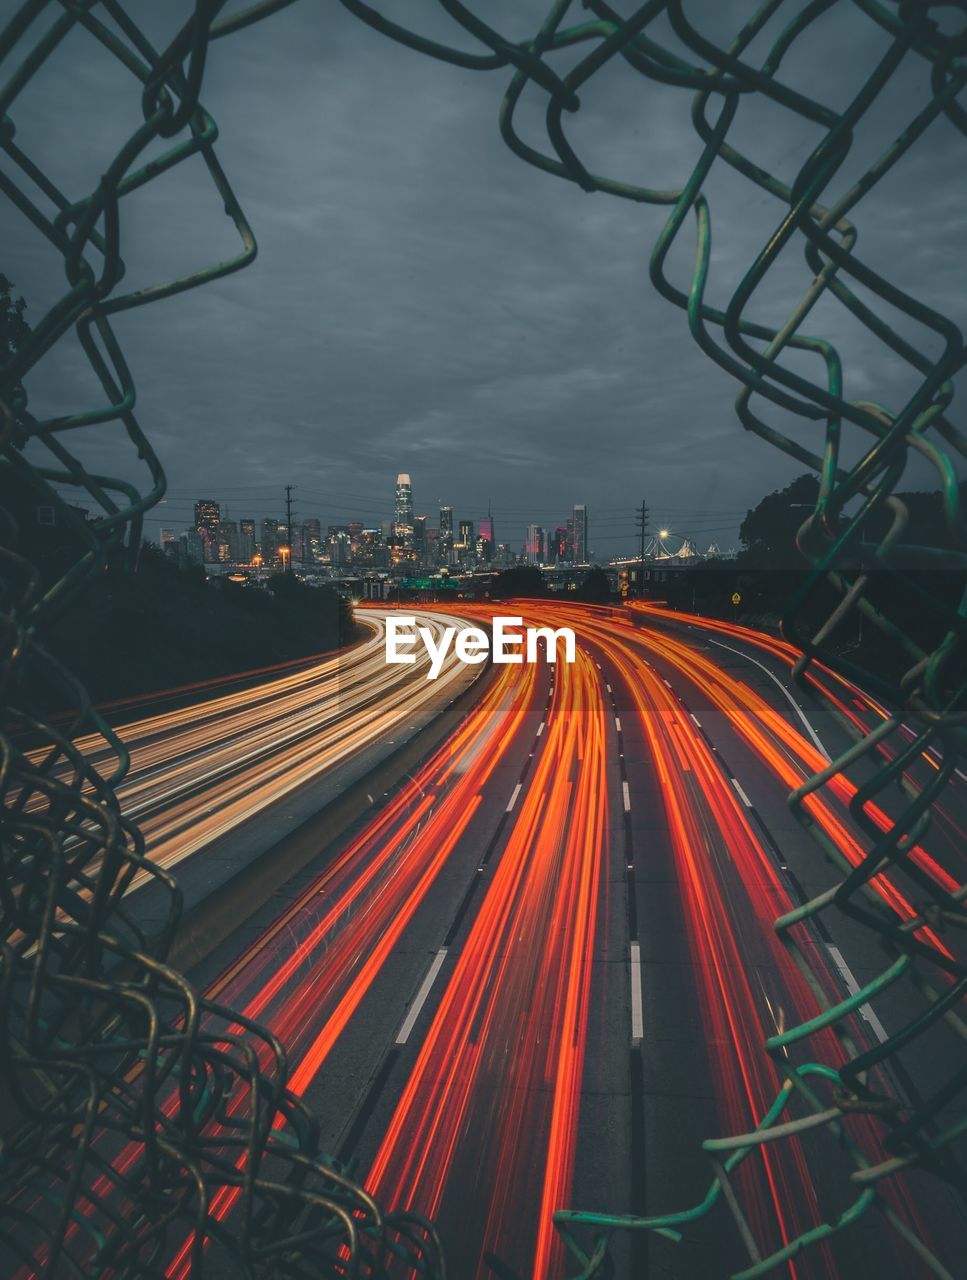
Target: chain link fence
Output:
{"points": [[777, 401], [143, 1108], [148, 1131]]}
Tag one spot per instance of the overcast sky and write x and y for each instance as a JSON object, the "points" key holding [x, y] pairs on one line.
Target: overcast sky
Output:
{"points": [[424, 301]]}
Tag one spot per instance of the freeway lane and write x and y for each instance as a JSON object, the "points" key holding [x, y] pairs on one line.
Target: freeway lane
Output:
{"points": [[451, 1081], [765, 662], [200, 772], [475, 1108], [729, 915], [542, 971], [314, 969], [499, 1073]]}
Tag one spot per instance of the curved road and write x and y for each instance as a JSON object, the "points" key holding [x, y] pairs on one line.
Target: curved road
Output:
{"points": [[542, 971]]}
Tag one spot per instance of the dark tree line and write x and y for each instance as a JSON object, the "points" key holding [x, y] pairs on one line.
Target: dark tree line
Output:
{"points": [[14, 328]]}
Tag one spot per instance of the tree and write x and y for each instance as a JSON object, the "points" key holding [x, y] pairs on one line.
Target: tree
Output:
{"points": [[768, 532], [14, 329], [595, 589], [524, 580]]}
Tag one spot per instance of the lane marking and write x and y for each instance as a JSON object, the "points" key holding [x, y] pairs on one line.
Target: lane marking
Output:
{"points": [[617, 724], [852, 986], [513, 799], [626, 796], [416, 1007], [637, 1012], [785, 693], [742, 796], [608, 687], [698, 723], [540, 728]]}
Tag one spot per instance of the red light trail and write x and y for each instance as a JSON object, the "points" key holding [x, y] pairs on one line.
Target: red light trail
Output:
{"points": [[480, 1132]]}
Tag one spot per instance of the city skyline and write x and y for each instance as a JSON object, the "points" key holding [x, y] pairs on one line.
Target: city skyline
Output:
{"points": [[408, 541], [476, 335], [615, 533]]}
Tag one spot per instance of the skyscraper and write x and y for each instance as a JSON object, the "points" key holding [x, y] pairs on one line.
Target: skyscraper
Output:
{"points": [[404, 509], [534, 544], [446, 526], [194, 546], [419, 533], [579, 534], [227, 550], [270, 538], [340, 545], [246, 540], [486, 529], [207, 515], [311, 539]]}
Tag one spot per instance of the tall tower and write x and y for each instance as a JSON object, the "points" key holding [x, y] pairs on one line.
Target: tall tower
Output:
{"points": [[419, 534], [579, 534], [446, 526], [534, 544], [404, 509], [207, 515]]}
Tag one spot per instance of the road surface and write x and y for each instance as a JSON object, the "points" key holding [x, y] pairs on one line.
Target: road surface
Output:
{"points": [[542, 971]]}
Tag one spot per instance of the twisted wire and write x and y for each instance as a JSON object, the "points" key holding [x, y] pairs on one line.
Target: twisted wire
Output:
{"points": [[147, 1131], [661, 41]]}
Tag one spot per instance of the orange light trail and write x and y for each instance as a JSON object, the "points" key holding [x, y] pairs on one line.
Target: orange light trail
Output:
{"points": [[306, 974], [375, 889], [779, 746], [482, 1137], [830, 687], [512, 1020], [707, 827]]}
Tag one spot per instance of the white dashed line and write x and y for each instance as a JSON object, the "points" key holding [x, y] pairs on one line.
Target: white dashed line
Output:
{"points": [[626, 796], [741, 794], [513, 799], [540, 728], [617, 723], [696, 719], [417, 1006], [852, 986], [637, 1013]]}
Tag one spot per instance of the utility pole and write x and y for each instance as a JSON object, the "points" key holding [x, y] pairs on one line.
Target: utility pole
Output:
{"points": [[642, 521], [288, 522]]}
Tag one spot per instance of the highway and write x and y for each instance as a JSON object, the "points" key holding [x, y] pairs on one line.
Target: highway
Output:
{"points": [[541, 971], [544, 972], [199, 772]]}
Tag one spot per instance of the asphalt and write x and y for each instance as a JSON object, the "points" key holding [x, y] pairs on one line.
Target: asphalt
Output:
{"points": [[646, 1103]]}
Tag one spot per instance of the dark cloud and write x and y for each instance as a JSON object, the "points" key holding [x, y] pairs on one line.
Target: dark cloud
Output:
{"points": [[425, 301]]}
